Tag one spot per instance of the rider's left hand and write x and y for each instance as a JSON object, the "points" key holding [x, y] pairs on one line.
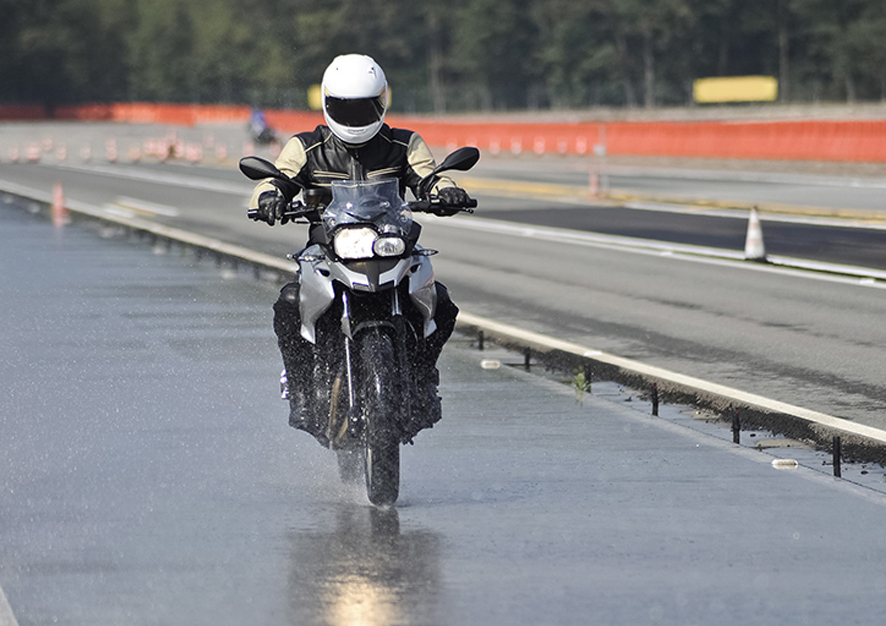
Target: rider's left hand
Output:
{"points": [[453, 199]]}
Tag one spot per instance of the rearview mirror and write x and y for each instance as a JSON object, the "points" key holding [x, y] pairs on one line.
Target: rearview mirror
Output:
{"points": [[256, 168], [462, 160]]}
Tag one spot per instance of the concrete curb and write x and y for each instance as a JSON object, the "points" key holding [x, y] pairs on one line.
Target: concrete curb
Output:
{"points": [[862, 441]]}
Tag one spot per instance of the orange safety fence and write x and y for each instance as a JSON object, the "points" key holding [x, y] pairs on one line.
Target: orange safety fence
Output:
{"points": [[22, 112], [849, 140], [855, 140]]}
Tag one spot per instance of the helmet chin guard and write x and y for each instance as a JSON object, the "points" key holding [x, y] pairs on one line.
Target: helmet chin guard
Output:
{"points": [[355, 98]]}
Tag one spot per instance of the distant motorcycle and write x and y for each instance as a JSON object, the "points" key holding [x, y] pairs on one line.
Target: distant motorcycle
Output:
{"points": [[365, 266], [260, 132]]}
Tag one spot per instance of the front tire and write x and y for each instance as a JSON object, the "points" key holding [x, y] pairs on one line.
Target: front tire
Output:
{"points": [[380, 395]]}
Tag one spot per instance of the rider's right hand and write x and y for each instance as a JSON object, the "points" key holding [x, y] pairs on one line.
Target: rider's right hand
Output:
{"points": [[271, 207]]}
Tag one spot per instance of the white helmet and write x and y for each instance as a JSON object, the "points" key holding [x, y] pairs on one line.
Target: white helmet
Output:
{"points": [[355, 97]]}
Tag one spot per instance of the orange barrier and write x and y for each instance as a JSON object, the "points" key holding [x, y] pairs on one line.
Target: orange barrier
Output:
{"points": [[859, 141], [810, 140], [850, 140], [13, 112]]}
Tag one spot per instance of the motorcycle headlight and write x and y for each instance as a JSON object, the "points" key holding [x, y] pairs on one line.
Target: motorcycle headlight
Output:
{"points": [[389, 246], [354, 243]]}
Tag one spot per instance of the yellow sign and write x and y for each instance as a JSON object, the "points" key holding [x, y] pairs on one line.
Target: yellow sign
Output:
{"points": [[315, 99], [736, 89]]}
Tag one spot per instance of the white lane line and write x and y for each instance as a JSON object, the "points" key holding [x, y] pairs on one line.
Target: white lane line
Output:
{"points": [[847, 274], [682, 380], [7, 618]]}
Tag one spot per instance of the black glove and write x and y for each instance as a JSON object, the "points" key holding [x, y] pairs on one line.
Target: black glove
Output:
{"points": [[452, 200], [271, 205]]}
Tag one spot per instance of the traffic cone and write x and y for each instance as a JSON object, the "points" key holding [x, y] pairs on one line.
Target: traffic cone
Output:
{"points": [[754, 250], [59, 210], [594, 185], [111, 150]]}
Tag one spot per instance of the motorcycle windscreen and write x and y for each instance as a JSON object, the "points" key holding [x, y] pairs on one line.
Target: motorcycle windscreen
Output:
{"points": [[375, 202]]}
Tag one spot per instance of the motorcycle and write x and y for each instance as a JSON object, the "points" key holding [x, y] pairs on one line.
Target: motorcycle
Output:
{"points": [[367, 299], [260, 132]]}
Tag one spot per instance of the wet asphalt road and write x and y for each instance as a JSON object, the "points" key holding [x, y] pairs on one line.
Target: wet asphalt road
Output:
{"points": [[802, 338], [148, 477]]}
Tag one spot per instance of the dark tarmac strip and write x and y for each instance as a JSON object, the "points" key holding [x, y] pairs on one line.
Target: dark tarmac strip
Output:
{"points": [[863, 247], [147, 476]]}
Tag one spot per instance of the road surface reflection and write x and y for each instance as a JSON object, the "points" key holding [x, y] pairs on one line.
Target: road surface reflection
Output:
{"points": [[363, 571]]}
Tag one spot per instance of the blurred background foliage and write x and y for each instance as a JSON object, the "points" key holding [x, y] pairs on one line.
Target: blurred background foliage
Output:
{"points": [[453, 55]]}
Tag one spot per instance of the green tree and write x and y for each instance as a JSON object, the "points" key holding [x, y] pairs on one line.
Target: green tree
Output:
{"points": [[827, 29], [492, 43]]}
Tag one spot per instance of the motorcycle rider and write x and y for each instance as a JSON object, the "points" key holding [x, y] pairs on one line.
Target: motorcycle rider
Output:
{"points": [[259, 129], [354, 144]]}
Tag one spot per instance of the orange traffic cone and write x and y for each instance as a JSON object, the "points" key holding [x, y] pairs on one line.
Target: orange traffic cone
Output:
{"points": [[59, 210], [754, 250], [594, 185]]}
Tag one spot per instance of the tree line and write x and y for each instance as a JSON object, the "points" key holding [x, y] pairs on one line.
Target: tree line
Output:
{"points": [[452, 55]]}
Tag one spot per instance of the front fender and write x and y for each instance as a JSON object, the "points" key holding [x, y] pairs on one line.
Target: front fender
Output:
{"points": [[316, 293], [423, 291]]}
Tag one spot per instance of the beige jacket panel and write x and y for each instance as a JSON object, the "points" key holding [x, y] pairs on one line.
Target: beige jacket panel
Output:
{"points": [[292, 158], [422, 161]]}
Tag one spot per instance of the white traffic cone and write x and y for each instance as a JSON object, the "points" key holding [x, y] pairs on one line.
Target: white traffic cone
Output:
{"points": [[754, 250]]}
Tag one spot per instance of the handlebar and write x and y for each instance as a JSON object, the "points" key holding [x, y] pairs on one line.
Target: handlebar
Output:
{"points": [[299, 210]]}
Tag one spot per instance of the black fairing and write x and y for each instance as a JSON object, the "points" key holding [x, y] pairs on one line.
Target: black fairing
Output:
{"points": [[373, 269]]}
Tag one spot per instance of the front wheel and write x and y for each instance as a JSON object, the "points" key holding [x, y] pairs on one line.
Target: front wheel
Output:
{"points": [[380, 392]]}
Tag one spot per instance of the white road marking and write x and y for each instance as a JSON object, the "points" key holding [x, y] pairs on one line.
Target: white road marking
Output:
{"points": [[7, 618]]}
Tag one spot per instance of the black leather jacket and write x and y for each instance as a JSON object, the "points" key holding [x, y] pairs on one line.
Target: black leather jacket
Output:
{"points": [[318, 157]]}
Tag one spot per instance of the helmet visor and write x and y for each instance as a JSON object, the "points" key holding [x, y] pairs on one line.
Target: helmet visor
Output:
{"points": [[356, 112]]}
